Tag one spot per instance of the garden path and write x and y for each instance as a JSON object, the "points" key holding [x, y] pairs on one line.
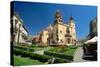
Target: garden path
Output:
{"points": [[41, 51], [78, 55]]}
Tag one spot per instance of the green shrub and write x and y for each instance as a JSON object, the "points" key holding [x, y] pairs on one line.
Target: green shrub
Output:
{"points": [[58, 60], [31, 49], [18, 51], [23, 44], [24, 48], [42, 58], [21, 47], [64, 56]]}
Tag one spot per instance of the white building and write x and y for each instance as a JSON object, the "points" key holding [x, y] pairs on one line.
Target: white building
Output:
{"points": [[20, 34]]}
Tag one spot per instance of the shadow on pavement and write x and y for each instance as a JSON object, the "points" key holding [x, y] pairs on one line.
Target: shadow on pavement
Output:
{"points": [[89, 57]]}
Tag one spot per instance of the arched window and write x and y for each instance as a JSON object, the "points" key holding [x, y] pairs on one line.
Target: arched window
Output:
{"points": [[61, 31], [16, 21], [68, 31], [57, 39], [68, 40]]}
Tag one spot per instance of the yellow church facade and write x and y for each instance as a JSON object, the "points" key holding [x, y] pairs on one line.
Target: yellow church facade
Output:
{"points": [[59, 34]]}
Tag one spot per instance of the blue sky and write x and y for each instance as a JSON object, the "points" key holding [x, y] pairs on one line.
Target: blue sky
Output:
{"points": [[37, 16]]}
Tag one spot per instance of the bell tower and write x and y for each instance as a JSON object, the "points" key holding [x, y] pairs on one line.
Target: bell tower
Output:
{"points": [[58, 17], [59, 30], [72, 30]]}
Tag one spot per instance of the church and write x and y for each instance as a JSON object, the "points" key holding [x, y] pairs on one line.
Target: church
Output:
{"points": [[59, 33]]}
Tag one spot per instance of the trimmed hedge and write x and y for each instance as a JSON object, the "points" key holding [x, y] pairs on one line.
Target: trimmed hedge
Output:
{"points": [[21, 47], [41, 58], [28, 48], [64, 56], [24, 48], [58, 60], [31, 49]]}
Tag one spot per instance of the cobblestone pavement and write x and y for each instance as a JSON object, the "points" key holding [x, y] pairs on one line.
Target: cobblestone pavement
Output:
{"points": [[78, 55]]}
